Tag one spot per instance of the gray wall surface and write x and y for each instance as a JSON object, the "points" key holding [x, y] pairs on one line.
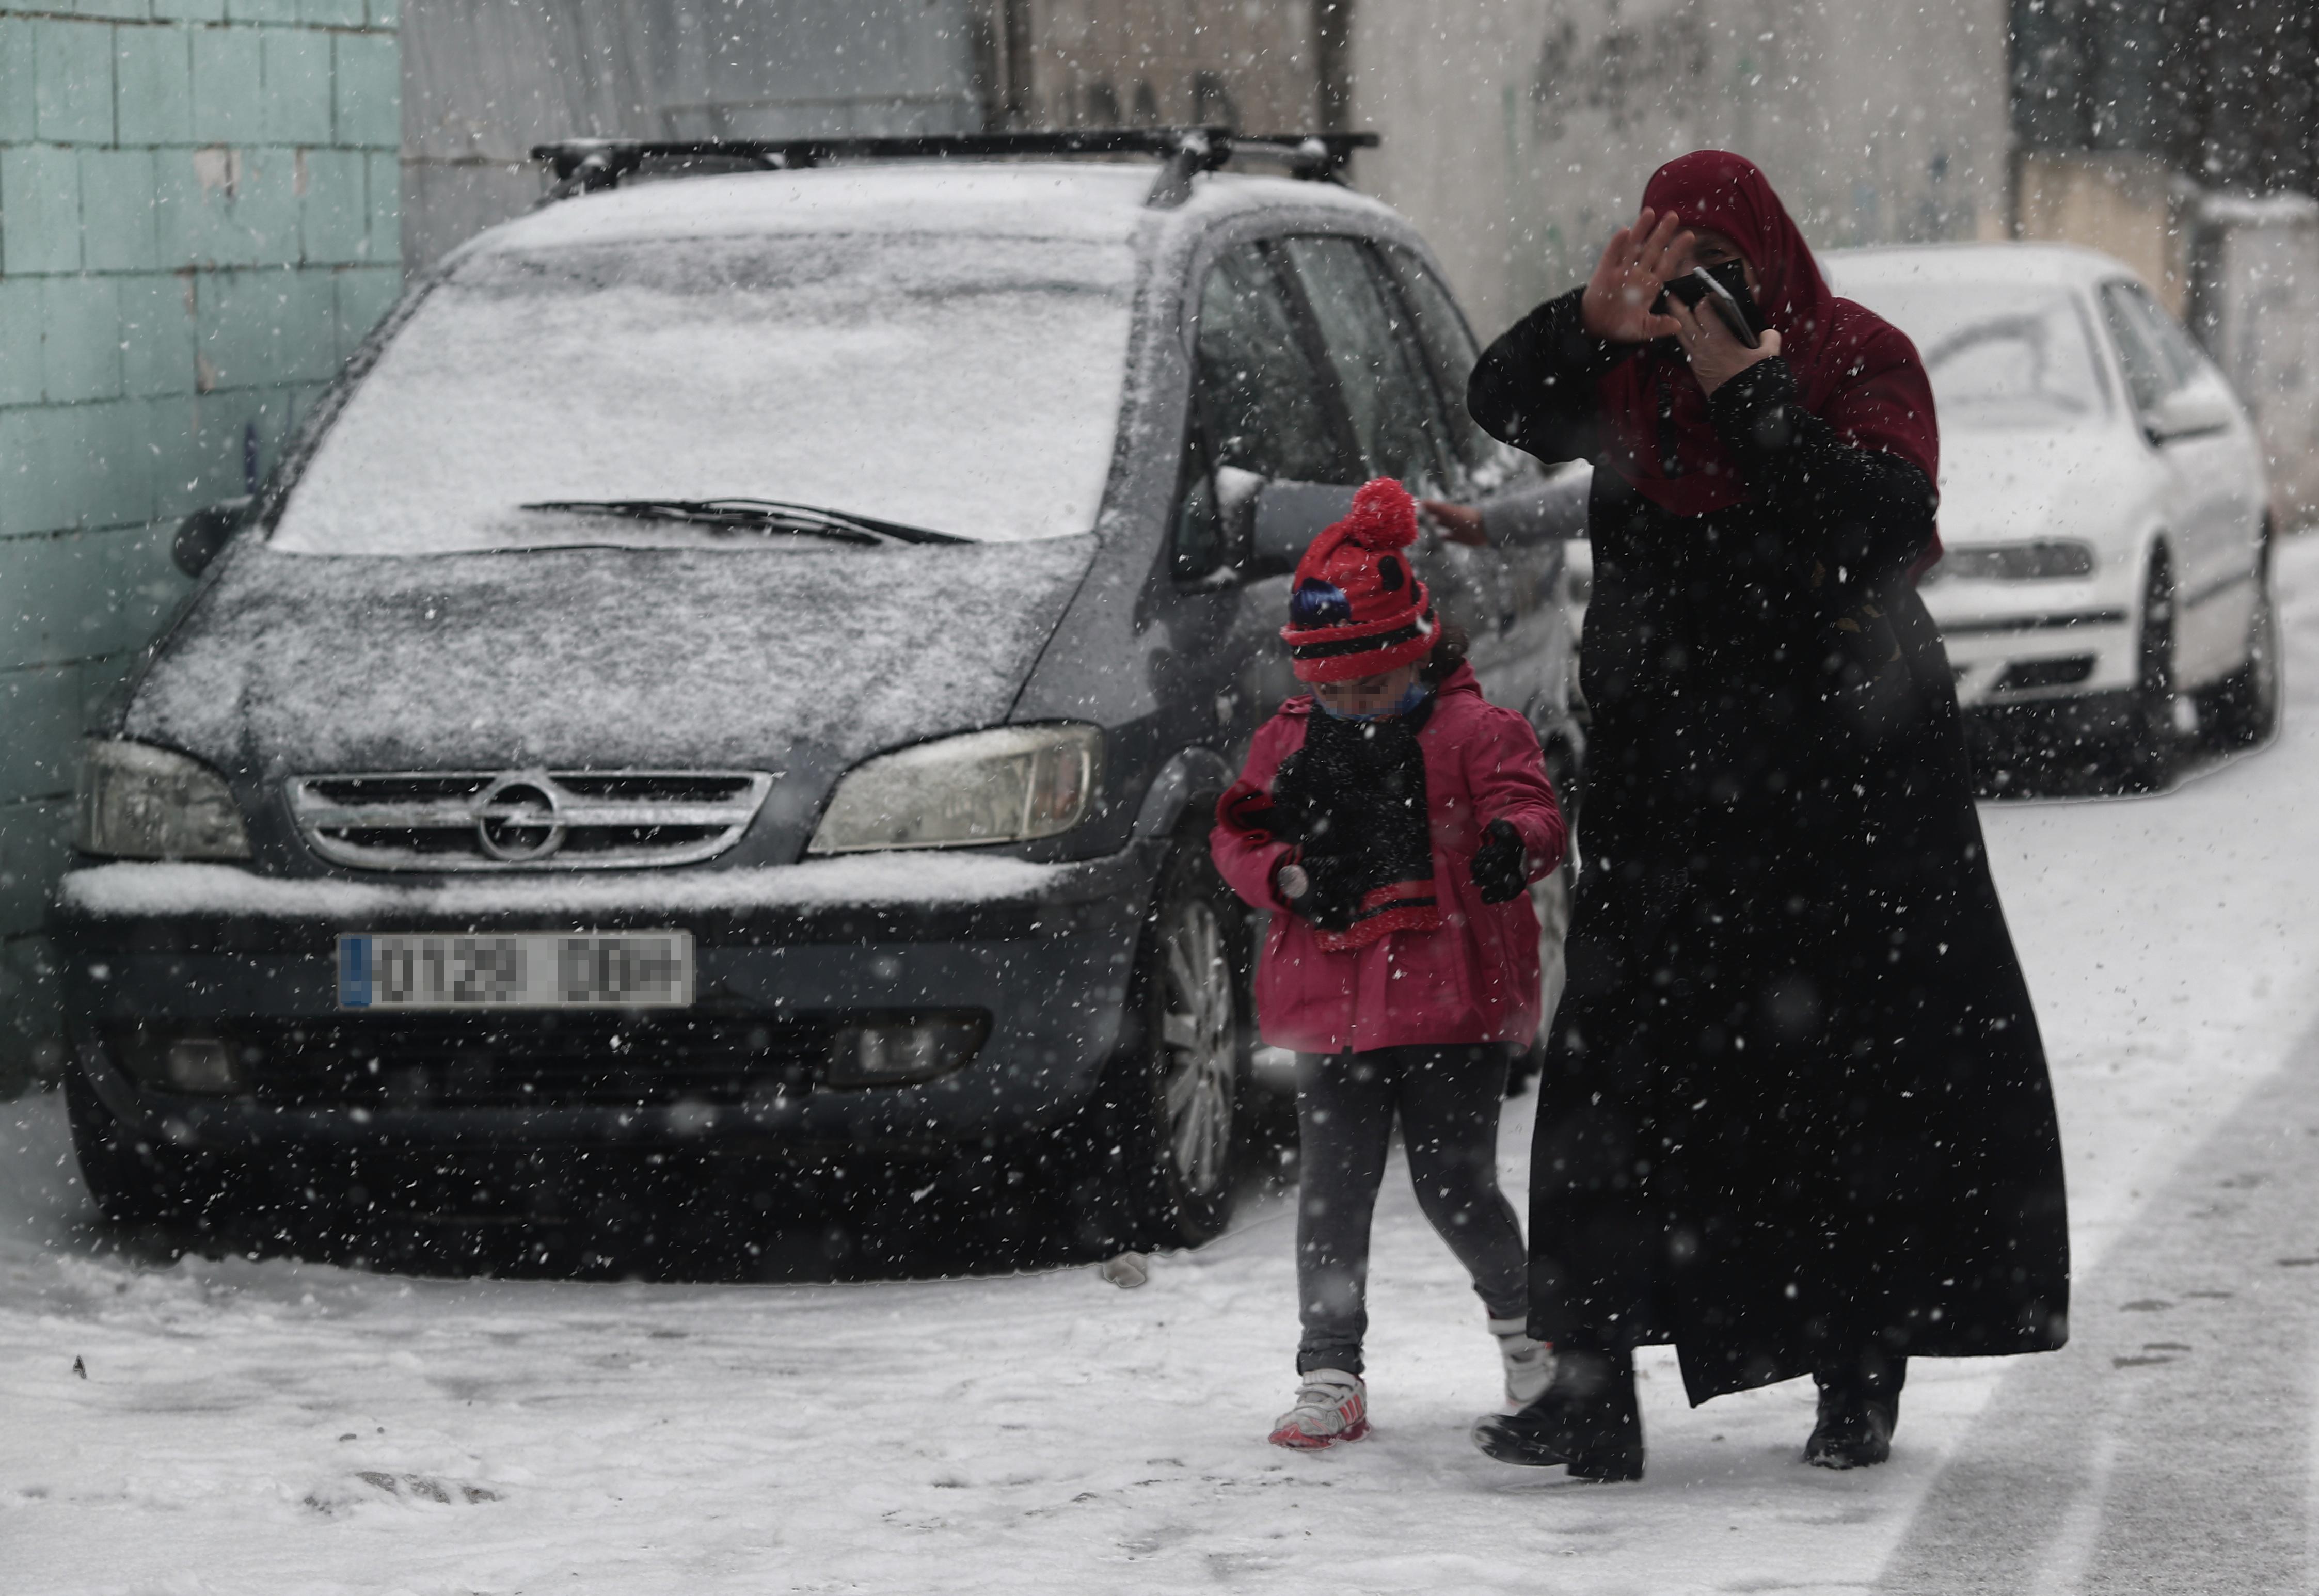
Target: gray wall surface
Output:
{"points": [[1518, 133], [484, 80]]}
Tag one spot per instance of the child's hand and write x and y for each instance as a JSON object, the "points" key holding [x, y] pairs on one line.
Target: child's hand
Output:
{"points": [[1499, 870], [1321, 890], [1460, 523]]}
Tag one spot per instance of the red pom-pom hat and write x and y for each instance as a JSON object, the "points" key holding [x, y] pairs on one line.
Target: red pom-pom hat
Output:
{"points": [[1356, 607]]}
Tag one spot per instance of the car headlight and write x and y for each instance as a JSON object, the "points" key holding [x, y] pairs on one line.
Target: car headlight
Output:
{"points": [[2048, 559], [141, 802], [1008, 785]]}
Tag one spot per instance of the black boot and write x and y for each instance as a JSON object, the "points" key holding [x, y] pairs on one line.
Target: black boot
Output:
{"points": [[1586, 1420], [1859, 1404]]}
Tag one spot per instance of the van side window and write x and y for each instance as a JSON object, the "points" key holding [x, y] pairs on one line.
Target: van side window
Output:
{"points": [[1449, 348], [1260, 399], [1390, 400]]}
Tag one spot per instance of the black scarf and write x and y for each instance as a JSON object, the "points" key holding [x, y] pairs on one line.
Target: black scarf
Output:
{"points": [[1353, 800]]}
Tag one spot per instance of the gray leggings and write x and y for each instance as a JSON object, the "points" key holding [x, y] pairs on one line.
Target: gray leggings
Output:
{"points": [[1448, 1099]]}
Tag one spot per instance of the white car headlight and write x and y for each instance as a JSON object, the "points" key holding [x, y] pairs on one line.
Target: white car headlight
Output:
{"points": [[2046, 560], [141, 802], [1008, 785]]}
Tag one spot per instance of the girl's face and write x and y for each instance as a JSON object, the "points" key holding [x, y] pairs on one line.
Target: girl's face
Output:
{"points": [[1367, 695]]}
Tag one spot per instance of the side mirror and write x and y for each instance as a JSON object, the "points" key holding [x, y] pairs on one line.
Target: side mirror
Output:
{"points": [[1283, 518], [202, 533], [2194, 409]]}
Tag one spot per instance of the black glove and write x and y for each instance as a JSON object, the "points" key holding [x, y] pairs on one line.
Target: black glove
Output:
{"points": [[1498, 863], [1334, 895]]}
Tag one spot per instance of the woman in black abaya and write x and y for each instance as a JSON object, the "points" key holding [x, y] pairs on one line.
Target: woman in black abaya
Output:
{"points": [[1795, 1117]]}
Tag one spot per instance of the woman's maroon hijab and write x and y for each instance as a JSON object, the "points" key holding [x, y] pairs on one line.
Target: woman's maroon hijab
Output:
{"points": [[1854, 370]]}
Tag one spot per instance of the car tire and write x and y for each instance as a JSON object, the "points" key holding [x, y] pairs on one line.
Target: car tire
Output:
{"points": [[2242, 710], [139, 1181], [1174, 1110], [2153, 744]]}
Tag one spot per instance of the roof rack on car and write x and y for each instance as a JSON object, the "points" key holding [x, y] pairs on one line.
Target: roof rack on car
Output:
{"points": [[583, 165]]}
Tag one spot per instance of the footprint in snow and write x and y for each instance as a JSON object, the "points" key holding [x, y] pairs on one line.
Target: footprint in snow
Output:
{"points": [[426, 1487], [402, 1488]]}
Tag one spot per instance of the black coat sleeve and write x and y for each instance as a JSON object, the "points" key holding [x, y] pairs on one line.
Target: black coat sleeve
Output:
{"points": [[1870, 513], [1534, 388]]}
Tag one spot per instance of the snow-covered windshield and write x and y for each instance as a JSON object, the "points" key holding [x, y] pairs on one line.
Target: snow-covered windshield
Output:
{"points": [[1999, 355], [966, 385]]}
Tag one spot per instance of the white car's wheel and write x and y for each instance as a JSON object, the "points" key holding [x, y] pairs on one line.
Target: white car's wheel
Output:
{"points": [[2242, 710], [2153, 738]]}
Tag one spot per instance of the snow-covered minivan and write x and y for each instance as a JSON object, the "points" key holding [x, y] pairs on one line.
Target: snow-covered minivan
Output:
{"points": [[739, 668]]}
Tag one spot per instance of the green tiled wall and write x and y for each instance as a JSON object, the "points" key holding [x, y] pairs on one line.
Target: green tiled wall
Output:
{"points": [[199, 217]]}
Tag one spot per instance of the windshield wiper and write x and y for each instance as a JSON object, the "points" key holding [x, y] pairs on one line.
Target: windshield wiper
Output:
{"points": [[753, 515]]}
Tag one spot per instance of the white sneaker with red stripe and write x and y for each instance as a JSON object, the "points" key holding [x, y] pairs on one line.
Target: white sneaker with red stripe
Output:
{"points": [[1331, 1406], [1530, 1364]]}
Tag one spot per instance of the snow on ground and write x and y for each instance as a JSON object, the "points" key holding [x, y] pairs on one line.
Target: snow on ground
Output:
{"points": [[286, 1428]]}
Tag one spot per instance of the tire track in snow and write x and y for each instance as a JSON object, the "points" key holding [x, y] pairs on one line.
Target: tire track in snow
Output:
{"points": [[2169, 1447]]}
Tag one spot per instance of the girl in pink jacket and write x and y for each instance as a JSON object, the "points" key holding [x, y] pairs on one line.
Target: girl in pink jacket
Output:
{"points": [[1391, 822]]}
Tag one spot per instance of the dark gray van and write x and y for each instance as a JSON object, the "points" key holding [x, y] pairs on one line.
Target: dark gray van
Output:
{"points": [[740, 667]]}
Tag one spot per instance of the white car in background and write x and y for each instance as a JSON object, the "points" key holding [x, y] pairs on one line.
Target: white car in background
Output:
{"points": [[2106, 585]]}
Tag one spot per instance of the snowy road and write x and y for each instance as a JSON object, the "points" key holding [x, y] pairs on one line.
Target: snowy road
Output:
{"points": [[2167, 1452], [274, 1426]]}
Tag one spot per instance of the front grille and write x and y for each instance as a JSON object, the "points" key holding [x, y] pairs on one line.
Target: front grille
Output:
{"points": [[518, 820], [534, 1061]]}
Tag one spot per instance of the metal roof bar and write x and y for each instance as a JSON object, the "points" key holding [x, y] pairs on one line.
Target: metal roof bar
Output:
{"points": [[583, 165]]}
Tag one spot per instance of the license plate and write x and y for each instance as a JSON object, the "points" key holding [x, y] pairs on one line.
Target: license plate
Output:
{"points": [[571, 970]]}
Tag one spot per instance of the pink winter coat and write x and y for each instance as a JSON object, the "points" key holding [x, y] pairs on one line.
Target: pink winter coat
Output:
{"points": [[1473, 980]]}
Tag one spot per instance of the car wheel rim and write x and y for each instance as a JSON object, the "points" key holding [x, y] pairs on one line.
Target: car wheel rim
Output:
{"points": [[1199, 1036]]}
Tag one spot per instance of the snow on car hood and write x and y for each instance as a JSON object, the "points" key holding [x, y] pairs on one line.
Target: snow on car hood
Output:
{"points": [[1999, 485], [601, 657]]}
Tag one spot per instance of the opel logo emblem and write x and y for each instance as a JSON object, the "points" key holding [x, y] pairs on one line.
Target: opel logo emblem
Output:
{"points": [[517, 820]]}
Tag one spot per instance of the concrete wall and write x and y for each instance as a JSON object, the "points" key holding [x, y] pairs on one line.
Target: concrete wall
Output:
{"points": [[198, 220], [484, 80], [1110, 63], [2122, 202], [1518, 133], [2255, 304]]}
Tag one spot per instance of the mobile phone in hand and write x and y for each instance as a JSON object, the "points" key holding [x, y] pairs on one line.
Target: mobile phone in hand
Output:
{"points": [[1740, 314]]}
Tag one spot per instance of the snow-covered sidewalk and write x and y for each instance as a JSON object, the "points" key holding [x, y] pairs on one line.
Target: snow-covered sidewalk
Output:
{"points": [[283, 1427]]}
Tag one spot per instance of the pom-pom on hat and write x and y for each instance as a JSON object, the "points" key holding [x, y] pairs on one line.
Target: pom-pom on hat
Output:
{"points": [[1356, 607]]}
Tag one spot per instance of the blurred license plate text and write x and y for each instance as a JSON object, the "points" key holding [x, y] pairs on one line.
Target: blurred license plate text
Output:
{"points": [[572, 969]]}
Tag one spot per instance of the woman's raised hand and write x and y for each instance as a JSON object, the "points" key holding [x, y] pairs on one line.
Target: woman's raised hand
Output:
{"points": [[1635, 265]]}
